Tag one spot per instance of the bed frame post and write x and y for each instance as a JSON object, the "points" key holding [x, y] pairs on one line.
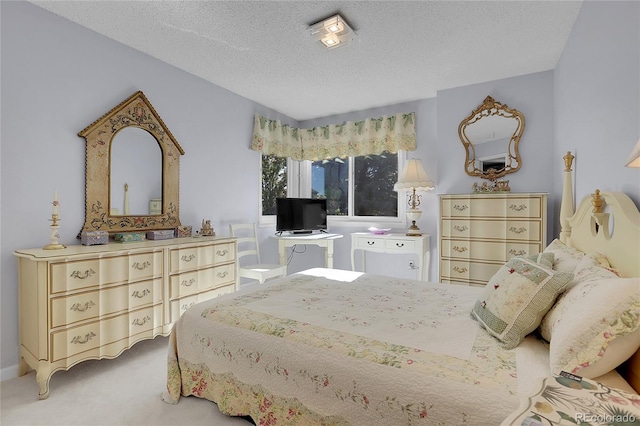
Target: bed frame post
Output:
{"points": [[566, 205]]}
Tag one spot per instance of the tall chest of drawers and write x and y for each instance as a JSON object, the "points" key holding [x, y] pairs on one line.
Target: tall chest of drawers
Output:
{"points": [[478, 233], [93, 302]]}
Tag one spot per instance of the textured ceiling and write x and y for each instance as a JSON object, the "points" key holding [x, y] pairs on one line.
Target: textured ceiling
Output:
{"points": [[405, 50]]}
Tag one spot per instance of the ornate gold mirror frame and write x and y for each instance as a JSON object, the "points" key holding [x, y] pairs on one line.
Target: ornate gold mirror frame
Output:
{"points": [[135, 111], [492, 110]]}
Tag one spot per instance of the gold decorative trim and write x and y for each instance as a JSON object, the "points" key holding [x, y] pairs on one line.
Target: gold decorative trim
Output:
{"points": [[490, 107], [135, 111]]}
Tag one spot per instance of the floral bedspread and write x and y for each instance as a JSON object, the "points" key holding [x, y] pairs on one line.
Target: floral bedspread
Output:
{"points": [[343, 348]]}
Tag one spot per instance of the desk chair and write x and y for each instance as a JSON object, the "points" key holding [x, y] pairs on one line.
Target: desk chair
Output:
{"points": [[247, 237]]}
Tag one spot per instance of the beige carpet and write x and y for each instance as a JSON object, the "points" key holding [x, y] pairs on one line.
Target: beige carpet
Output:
{"points": [[122, 391]]}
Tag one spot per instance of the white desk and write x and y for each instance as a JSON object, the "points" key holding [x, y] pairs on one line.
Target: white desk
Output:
{"points": [[392, 243], [321, 240]]}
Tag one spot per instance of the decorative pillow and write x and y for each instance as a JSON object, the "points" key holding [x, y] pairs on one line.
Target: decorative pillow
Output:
{"points": [[517, 297], [566, 258], [599, 327], [590, 268]]}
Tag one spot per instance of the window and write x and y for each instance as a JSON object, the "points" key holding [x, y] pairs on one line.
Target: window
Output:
{"points": [[355, 187], [274, 182]]}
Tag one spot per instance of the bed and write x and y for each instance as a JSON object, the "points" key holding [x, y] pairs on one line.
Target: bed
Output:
{"points": [[332, 347]]}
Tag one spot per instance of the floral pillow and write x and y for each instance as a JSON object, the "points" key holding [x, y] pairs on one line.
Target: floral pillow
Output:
{"points": [[517, 297], [592, 267], [566, 258], [599, 327]]}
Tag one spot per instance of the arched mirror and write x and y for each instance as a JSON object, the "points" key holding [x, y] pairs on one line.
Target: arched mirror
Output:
{"points": [[134, 184], [490, 135], [132, 163]]}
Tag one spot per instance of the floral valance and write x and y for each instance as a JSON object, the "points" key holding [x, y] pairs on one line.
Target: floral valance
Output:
{"points": [[349, 139]]}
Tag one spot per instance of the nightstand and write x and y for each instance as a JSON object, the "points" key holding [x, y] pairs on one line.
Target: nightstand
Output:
{"points": [[570, 399]]}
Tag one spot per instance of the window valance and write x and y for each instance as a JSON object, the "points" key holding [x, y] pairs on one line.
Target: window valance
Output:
{"points": [[349, 139]]}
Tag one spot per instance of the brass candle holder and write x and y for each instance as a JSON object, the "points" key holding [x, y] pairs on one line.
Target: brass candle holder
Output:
{"points": [[54, 244]]}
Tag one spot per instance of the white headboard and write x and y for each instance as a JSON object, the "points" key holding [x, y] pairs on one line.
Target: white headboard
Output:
{"points": [[607, 223]]}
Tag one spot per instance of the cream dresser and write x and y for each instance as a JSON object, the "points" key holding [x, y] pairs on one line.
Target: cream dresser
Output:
{"points": [[480, 232], [93, 302]]}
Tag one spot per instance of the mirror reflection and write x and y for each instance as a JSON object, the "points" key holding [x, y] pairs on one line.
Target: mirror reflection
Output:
{"points": [[136, 172], [490, 135]]}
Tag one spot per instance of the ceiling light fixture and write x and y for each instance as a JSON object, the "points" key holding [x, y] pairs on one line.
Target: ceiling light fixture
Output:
{"points": [[332, 32]]}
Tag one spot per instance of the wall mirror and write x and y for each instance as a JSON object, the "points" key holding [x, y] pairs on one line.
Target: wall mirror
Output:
{"points": [[131, 159], [490, 135]]}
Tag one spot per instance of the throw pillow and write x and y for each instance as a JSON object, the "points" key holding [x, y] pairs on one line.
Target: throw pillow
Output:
{"points": [[599, 328], [566, 258], [517, 297]]}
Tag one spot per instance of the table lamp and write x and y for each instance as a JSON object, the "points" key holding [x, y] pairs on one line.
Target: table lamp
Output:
{"points": [[413, 178]]}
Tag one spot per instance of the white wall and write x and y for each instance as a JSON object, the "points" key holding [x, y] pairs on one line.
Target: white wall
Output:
{"points": [[597, 96]]}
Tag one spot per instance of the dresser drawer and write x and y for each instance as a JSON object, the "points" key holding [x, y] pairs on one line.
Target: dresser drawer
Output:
{"points": [[492, 206], [370, 242], [224, 253], [496, 251], [82, 274], [201, 280], [73, 341], [400, 244], [517, 230], [188, 259], [179, 306], [467, 270], [67, 310]]}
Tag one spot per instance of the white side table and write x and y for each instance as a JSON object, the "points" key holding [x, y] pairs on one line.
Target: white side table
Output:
{"points": [[321, 240], [392, 244]]}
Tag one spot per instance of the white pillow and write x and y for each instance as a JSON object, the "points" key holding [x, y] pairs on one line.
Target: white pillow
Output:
{"points": [[565, 258], [599, 327], [591, 267]]}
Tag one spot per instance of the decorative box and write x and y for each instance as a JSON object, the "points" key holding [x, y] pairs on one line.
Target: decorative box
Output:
{"points": [[126, 237], [164, 234], [92, 238], [184, 231]]}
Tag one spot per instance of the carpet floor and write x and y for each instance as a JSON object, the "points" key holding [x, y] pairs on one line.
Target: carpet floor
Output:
{"points": [[121, 391]]}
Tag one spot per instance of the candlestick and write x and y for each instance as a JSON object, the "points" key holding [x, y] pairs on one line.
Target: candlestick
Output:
{"points": [[53, 238], [55, 202]]}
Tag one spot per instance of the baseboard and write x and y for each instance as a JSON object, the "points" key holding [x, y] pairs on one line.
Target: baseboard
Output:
{"points": [[9, 372]]}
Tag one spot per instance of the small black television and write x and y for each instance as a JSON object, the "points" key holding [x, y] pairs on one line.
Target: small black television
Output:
{"points": [[301, 215]]}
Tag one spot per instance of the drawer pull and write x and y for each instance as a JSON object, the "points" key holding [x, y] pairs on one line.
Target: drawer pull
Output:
{"points": [[460, 249], [460, 208], [399, 245], [518, 230], [139, 294], [222, 274], [188, 283], [222, 252], [371, 243], [79, 340], [82, 308], [189, 258], [82, 275], [185, 306], [459, 269], [142, 321], [141, 266], [518, 208], [517, 252], [460, 228]]}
